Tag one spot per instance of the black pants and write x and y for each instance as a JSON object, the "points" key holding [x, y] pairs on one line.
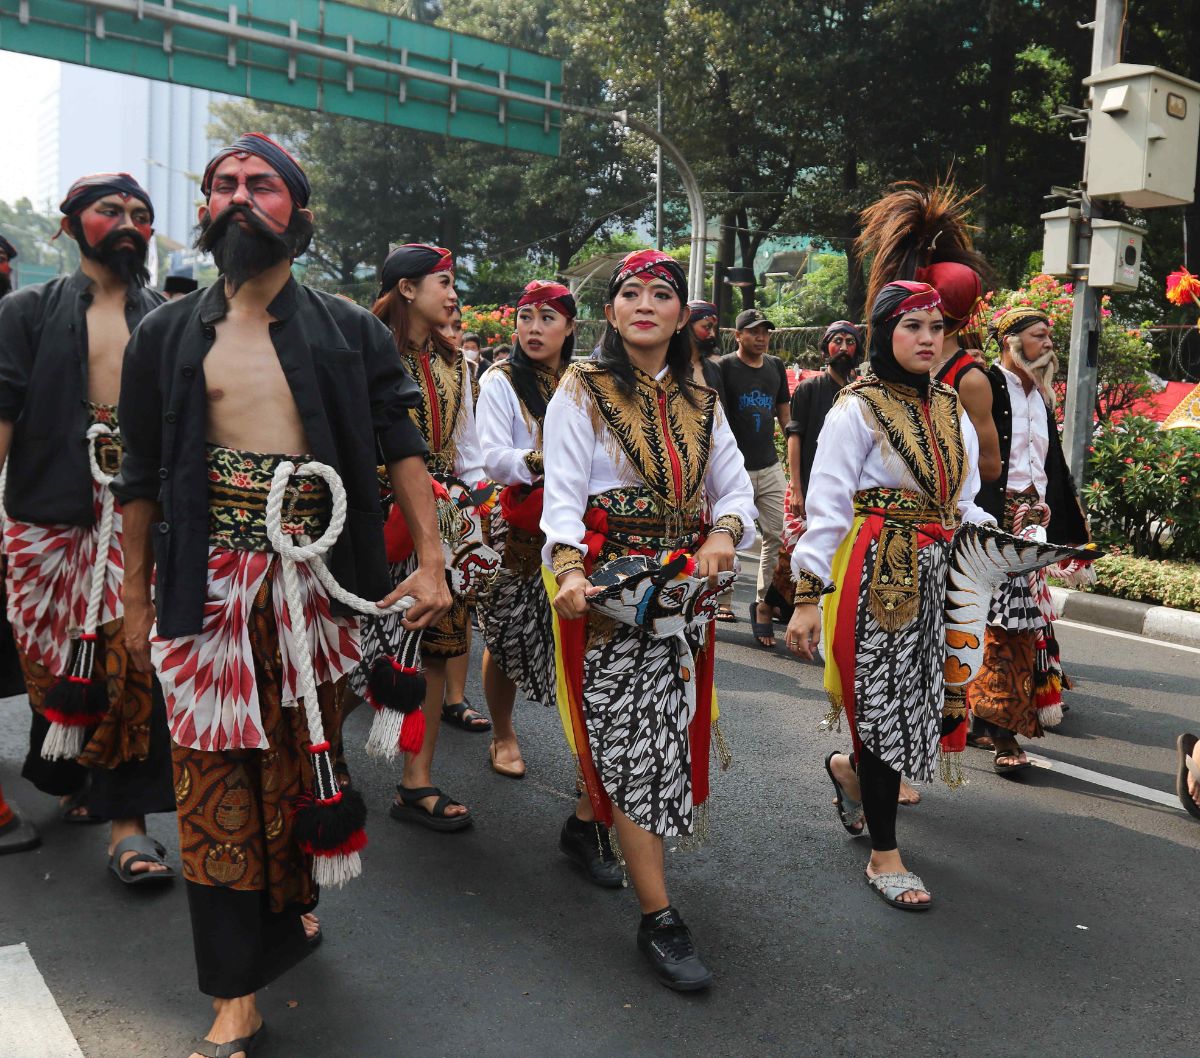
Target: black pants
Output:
{"points": [[135, 788], [993, 731], [240, 945], [880, 790]]}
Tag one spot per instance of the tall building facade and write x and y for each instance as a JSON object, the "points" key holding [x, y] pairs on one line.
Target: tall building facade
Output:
{"points": [[97, 121]]}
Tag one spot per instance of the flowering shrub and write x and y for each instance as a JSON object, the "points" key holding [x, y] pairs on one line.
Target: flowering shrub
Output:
{"points": [[1145, 580], [493, 323], [1144, 490], [1124, 355]]}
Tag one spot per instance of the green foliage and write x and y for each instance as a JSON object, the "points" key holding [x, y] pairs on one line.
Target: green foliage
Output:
{"points": [[1146, 580], [1144, 490], [31, 232], [818, 299]]}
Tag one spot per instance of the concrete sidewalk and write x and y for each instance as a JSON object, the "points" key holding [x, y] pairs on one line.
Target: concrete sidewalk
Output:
{"points": [[1140, 618]]}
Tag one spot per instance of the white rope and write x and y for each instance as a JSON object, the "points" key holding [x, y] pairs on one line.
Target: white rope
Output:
{"points": [[104, 536], [294, 551]]}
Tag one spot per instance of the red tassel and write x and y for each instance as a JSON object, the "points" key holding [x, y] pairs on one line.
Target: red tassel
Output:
{"points": [[412, 731]]}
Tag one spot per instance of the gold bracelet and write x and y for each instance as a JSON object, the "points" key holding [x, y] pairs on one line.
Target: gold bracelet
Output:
{"points": [[564, 559], [533, 460], [731, 524], [809, 589]]}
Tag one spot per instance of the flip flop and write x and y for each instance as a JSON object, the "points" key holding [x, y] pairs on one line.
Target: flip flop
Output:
{"points": [[761, 630], [67, 811], [1184, 745], [409, 809], [145, 850], [1008, 769], [849, 811], [890, 887], [247, 1045], [725, 615]]}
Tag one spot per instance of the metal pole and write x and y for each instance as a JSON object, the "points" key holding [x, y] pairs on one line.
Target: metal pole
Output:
{"points": [[658, 176], [173, 17], [1085, 315]]}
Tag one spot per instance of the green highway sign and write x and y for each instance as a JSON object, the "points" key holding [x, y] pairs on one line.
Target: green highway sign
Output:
{"points": [[314, 54]]}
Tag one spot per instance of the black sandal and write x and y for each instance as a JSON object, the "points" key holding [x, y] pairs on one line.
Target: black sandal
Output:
{"points": [[409, 809], [849, 811], [68, 812], [725, 615], [247, 1045], [1008, 749], [465, 716]]}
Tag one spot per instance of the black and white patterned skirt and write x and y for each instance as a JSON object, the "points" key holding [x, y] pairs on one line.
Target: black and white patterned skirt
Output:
{"points": [[899, 677]]}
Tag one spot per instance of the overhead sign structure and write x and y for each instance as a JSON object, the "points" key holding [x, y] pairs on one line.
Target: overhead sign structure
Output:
{"points": [[314, 54]]}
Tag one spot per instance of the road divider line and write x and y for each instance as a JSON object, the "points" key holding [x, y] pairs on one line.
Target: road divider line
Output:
{"points": [[32, 1025], [1109, 782], [1128, 635]]}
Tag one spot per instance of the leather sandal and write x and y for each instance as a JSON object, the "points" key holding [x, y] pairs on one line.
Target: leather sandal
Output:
{"points": [[409, 809], [145, 850]]}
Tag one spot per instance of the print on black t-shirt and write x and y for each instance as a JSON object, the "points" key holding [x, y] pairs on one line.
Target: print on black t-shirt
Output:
{"points": [[752, 395]]}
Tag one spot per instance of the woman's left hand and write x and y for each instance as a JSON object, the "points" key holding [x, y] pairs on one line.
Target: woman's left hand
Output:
{"points": [[715, 556]]}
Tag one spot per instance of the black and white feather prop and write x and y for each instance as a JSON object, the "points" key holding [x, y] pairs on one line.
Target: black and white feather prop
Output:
{"points": [[983, 556], [659, 598]]}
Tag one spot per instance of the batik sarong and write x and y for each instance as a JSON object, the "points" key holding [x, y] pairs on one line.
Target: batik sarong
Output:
{"points": [[49, 570], [515, 618], [884, 629], [213, 699], [640, 745]]}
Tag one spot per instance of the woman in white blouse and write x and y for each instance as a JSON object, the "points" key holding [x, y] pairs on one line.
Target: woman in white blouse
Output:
{"points": [[896, 471], [515, 616], [635, 455]]}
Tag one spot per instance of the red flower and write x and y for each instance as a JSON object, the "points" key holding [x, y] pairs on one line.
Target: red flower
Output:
{"points": [[1127, 459], [1184, 479]]}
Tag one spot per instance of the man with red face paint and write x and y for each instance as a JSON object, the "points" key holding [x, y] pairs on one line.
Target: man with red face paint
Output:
{"points": [[7, 252], [217, 385], [98, 738]]}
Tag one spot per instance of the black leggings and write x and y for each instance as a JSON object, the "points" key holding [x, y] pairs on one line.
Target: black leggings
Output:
{"points": [[880, 786]]}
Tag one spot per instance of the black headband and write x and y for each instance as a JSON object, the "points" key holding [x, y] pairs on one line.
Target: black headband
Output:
{"points": [[270, 152], [412, 260], [89, 189]]}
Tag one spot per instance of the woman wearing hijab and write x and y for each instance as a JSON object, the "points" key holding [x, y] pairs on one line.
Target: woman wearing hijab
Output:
{"points": [[637, 457], [895, 473], [515, 617]]}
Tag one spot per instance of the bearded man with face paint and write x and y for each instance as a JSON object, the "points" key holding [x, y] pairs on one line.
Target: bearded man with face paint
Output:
{"points": [[98, 736], [217, 391], [1018, 690]]}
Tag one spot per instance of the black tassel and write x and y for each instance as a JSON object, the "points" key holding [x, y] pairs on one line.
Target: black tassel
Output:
{"points": [[396, 686]]}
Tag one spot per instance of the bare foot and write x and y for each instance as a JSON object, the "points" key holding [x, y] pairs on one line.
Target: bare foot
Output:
{"points": [[891, 863], [311, 924], [908, 795], [124, 828], [236, 1019]]}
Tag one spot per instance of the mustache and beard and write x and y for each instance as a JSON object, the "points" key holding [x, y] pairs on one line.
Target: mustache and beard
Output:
{"points": [[243, 252], [5, 284], [127, 263], [1041, 372], [709, 346], [843, 364]]}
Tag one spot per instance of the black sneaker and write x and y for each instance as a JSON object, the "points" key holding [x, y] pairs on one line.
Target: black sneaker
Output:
{"points": [[670, 950], [588, 845]]}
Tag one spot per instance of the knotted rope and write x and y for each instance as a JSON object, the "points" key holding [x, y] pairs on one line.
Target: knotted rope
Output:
{"points": [[74, 704]]}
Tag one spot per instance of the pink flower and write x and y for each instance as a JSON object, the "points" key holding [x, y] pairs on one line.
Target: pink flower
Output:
{"points": [[1184, 479], [1128, 460]]}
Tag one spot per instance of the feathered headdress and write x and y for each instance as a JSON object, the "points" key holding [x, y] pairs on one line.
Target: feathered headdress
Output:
{"points": [[918, 232]]}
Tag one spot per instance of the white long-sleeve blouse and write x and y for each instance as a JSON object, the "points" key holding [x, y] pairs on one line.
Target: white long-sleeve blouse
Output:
{"points": [[579, 463], [506, 435], [849, 459]]}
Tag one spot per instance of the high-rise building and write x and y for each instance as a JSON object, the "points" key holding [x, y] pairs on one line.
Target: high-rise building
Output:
{"points": [[97, 121]]}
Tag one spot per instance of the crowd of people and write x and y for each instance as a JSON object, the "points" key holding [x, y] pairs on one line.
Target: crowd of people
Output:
{"points": [[235, 516]]}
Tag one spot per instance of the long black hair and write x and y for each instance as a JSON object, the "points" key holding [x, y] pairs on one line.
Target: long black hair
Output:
{"points": [[613, 356], [522, 375]]}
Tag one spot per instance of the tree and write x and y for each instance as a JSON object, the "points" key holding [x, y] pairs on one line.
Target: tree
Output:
{"points": [[32, 233]]}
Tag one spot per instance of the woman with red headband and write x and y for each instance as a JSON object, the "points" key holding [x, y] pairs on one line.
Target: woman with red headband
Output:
{"points": [[515, 618], [637, 455], [416, 298], [896, 471]]}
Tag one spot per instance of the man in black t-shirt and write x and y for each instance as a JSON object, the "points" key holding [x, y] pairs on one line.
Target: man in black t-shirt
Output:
{"points": [[756, 397]]}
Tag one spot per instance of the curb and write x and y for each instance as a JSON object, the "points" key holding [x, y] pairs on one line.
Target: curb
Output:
{"points": [[1140, 618]]}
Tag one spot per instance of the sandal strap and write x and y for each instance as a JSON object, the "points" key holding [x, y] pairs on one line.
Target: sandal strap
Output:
{"points": [[208, 1049], [904, 881], [146, 847], [410, 796]]}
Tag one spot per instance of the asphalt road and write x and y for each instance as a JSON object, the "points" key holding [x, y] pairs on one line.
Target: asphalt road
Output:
{"points": [[1065, 919]]}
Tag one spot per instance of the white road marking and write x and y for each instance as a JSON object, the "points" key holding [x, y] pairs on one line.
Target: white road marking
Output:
{"points": [[1109, 782], [1146, 640], [32, 1025]]}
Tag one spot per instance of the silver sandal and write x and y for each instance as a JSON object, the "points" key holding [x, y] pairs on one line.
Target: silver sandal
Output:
{"points": [[890, 887]]}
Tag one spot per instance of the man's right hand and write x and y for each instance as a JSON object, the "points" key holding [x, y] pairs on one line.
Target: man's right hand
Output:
{"points": [[571, 602], [139, 619], [430, 594], [796, 503]]}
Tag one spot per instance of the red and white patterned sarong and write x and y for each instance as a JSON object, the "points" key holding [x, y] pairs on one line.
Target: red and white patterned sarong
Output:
{"points": [[208, 679], [48, 580]]}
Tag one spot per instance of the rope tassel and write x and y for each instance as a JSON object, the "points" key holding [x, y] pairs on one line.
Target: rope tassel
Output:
{"points": [[78, 700], [396, 691], [329, 823]]}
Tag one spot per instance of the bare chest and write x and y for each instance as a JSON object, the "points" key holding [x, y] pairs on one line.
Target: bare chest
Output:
{"points": [[107, 335]]}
